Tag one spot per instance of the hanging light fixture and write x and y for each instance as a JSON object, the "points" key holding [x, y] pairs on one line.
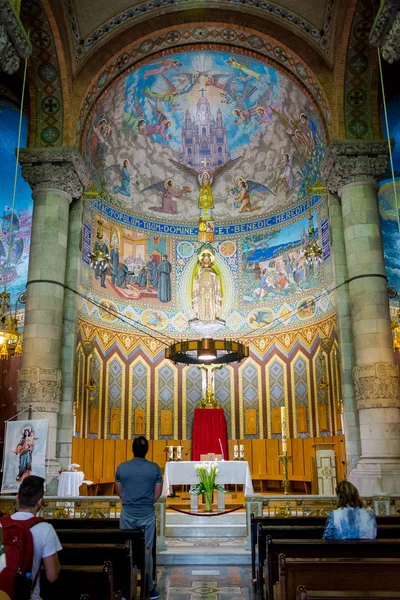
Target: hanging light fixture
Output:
{"points": [[206, 350]]}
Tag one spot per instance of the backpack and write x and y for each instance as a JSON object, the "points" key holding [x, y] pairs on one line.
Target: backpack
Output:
{"points": [[18, 547]]}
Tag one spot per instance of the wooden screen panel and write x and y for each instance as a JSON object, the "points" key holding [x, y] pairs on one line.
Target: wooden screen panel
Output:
{"points": [[139, 424], [259, 458], [186, 449], [78, 414], [297, 453], [272, 448], [166, 423], [93, 419], [120, 453], [302, 426], [91, 451], [247, 452], [309, 454], [98, 466], [276, 420], [115, 421], [108, 460], [250, 421], [323, 417], [231, 444], [159, 456]]}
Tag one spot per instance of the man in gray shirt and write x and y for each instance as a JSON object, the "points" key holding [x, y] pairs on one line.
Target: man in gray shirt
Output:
{"points": [[138, 482]]}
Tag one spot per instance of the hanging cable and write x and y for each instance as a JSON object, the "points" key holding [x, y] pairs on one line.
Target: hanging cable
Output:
{"points": [[388, 137]]}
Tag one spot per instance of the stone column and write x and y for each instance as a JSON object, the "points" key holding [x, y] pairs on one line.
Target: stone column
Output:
{"points": [[56, 176], [72, 274], [346, 348], [351, 169]]}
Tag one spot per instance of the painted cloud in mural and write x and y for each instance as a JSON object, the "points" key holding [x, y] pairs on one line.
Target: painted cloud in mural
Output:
{"points": [[154, 132]]}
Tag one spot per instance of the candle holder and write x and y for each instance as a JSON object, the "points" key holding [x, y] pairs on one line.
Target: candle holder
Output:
{"points": [[285, 460]]}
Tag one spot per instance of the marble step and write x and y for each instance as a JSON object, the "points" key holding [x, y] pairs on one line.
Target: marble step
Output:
{"points": [[228, 525], [205, 551]]}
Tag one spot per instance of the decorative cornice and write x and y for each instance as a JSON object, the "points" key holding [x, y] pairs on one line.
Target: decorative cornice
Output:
{"points": [[14, 42], [58, 168], [385, 32], [350, 161]]}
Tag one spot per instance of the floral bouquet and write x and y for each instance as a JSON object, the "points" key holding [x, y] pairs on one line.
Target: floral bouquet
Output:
{"points": [[207, 473]]}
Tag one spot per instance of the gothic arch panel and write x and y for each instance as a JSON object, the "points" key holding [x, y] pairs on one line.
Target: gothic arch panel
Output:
{"points": [[250, 396], [323, 408], [276, 389], [301, 396], [166, 397], [225, 394], [139, 393], [192, 393], [114, 395]]}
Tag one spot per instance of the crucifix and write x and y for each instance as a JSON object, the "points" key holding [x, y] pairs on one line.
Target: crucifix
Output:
{"points": [[208, 385], [205, 162], [202, 92]]}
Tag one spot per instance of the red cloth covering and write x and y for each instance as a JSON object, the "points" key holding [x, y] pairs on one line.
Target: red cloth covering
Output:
{"points": [[209, 426]]}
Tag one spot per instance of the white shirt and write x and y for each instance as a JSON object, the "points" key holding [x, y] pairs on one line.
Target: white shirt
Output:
{"points": [[45, 543]]}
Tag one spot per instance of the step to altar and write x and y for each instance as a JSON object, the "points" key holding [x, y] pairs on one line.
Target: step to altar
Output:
{"points": [[180, 525], [205, 551]]}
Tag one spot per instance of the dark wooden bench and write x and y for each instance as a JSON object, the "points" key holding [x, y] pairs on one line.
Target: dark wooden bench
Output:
{"points": [[76, 581], [120, 556], [322, 549], [282, 527], [302, 594], [368, 575], [140, 554]]}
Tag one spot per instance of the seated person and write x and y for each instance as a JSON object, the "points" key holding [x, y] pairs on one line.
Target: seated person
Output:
{"points": [[350, 521]]}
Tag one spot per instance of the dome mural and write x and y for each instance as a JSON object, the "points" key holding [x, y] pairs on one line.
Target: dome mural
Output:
{"points": [[248, 131]]}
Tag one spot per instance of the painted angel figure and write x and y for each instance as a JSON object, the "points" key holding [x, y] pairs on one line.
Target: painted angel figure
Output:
{"points": [[169, 193], [186, 82], [244, 188], [162, 125], [134, 120], [169, 95], [164, 65], [205, 179], [242, 66]]}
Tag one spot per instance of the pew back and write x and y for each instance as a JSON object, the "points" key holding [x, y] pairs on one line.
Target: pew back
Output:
{"points": [[75, 580]]}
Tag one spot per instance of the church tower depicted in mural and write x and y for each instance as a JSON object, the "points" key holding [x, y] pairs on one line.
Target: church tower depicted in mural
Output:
{"points": [[204, 136]]}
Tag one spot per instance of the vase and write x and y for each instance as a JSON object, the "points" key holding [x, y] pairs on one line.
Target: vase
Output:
{"points": [[208, 499]]}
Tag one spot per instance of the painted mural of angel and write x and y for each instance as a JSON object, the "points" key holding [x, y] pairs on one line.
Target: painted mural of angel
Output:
{"points": [[169, 95], [204, 180], [226, 86], [241, 112], [243, 190], [134, 120], [186, 82], [164, 65], [162, 125], [242, 66], [169, 193]]}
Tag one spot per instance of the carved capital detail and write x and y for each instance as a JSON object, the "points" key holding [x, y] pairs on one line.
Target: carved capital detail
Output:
{"points": [[58, 168], [377, 385], [14, 42], [385, 32], [350, 161], [39, 387]]}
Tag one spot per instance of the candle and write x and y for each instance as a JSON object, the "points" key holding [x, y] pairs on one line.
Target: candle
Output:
{"points": [[241, 448], [235, 448], [284, 429], [179, 452], [171, 451]]}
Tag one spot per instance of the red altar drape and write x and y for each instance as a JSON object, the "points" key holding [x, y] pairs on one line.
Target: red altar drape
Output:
{"points": [[209, 426]]}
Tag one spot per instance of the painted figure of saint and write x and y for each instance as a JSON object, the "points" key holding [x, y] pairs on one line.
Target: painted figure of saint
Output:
{"points": [[125, 187], [206, 197], [169, 192], [164, 280], [24, 450], [207, 292]]}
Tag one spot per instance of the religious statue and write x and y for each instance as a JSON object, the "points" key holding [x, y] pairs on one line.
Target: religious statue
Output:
{"points": [[206, 197], [207, 292], [210, 400]]}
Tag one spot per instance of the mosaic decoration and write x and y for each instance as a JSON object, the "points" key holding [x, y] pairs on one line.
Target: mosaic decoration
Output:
{"points": [[157, 132], [155, 384], [115, 393], [301, 393], [358, 84], [46, 72], [19, 224], [84, 45]]}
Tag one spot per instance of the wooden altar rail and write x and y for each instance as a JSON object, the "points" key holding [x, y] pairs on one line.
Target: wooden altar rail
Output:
{"points": [[99, 458]]}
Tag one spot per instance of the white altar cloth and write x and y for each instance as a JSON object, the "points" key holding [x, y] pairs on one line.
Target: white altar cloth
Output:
{"points": [[69, 483], [229, 472]]}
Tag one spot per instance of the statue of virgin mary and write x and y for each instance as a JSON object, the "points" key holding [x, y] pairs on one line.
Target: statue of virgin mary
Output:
{"points": [[207, 291]]}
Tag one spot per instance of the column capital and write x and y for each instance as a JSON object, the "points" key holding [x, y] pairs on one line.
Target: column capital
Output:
{"points": [[385, 32], [57, 168], [40, 388], [14, 41], [349, 161], [377, 385]]}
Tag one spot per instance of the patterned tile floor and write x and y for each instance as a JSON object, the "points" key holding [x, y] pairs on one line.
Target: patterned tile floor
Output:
{"points": [[205, 583]]}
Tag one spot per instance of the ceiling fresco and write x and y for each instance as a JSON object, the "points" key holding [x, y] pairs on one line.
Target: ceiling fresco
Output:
{"points": [[156, 130]]}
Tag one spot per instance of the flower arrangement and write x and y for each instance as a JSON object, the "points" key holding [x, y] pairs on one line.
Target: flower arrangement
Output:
{"points": [[207, 473]]}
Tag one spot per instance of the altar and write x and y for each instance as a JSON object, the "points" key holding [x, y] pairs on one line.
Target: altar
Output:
{"points": [[230, 472]]}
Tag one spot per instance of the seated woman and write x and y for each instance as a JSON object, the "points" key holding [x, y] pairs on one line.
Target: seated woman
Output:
{"points": [[350, 521]]}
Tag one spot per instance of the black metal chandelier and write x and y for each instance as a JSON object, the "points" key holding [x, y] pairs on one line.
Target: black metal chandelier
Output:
{"points": [[207, 350]]}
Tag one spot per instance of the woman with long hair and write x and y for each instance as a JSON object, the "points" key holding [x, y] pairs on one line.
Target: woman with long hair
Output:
{"points": [[350, 521]]}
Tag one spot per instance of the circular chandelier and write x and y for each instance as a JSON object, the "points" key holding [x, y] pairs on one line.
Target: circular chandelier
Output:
{"points": [[207, 350]]}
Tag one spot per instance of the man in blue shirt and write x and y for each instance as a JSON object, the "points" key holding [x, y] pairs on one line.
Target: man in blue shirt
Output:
{"points": [[138, 482]]}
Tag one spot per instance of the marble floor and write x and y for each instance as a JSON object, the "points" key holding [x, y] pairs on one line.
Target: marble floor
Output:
{"points": [[205, 583]]}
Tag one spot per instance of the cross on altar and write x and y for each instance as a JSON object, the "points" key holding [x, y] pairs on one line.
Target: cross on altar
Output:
{"points": [[202, 92]]}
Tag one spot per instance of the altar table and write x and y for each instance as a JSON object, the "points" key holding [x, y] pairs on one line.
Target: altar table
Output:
{"points": [[229, 472], [69, 483]]}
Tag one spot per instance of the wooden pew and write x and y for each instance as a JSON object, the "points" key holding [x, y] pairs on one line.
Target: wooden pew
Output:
{"points": [[76, 580], [322, 549], [120, 556], [302, 594], [140, 554], [282, 527], [368, 575]]}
